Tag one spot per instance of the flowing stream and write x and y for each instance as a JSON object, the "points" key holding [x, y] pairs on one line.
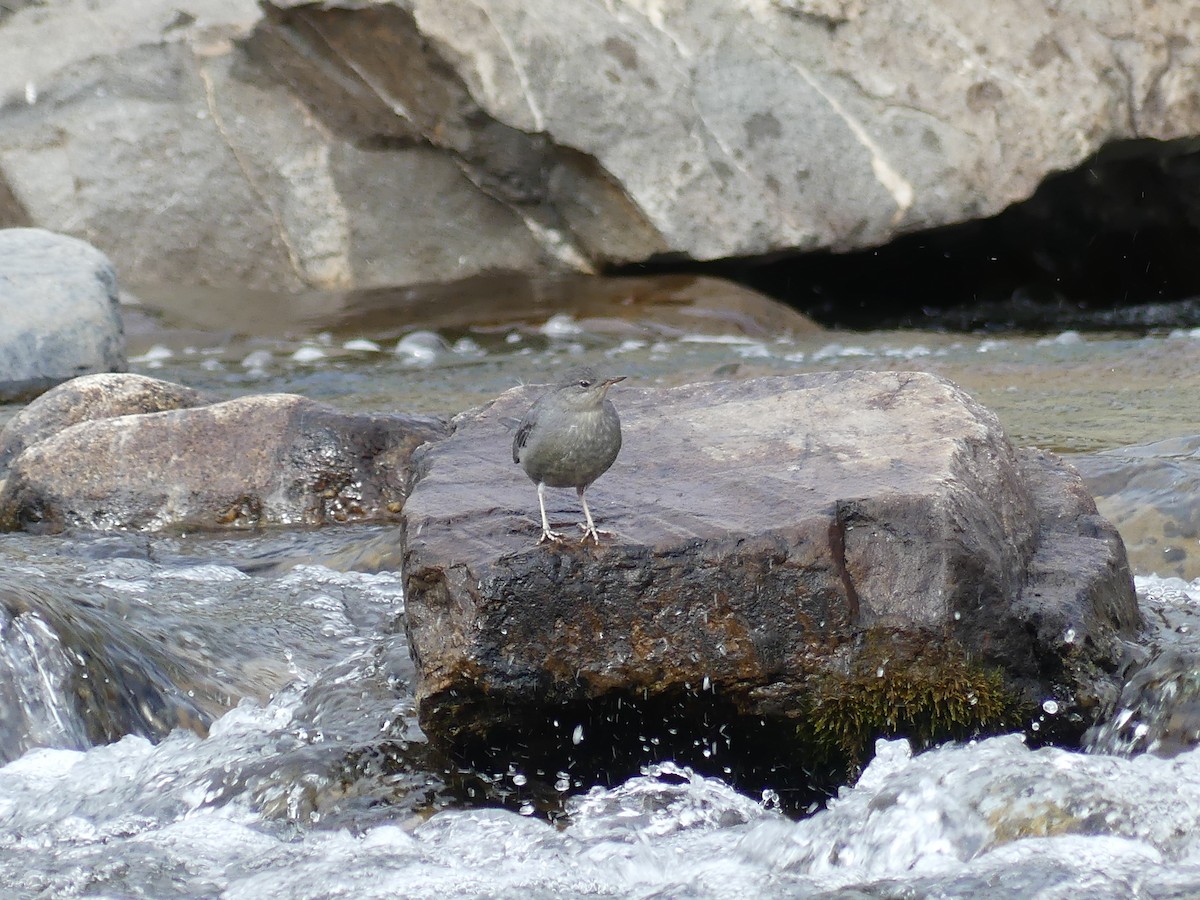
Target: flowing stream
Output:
{"points": [[201, 715]]}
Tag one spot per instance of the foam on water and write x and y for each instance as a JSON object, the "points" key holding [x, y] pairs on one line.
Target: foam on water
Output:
{"points": [[273, 802], [264, 805], [989, 819]]}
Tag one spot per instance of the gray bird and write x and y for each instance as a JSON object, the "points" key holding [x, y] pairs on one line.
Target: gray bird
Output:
{"points": [[569, 438]]}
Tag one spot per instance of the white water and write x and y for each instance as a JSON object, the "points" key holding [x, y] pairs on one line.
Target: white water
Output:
{"points": [[991, 819], [261, 807]]}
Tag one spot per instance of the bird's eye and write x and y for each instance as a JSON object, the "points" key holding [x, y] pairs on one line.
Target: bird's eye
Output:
{"points": [[585, 384]]}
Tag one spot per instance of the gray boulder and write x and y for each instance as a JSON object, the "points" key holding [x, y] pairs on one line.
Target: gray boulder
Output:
{"points": [[275, 459], [59, 306], [90, 397], [828, 557], [568, 139]]}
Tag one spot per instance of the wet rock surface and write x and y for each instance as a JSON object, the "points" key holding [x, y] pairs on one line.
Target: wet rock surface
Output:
{"points": [[1150, 492], [777, 541], [651, 306], [58, 302], [274, 459], [1158, 710]]}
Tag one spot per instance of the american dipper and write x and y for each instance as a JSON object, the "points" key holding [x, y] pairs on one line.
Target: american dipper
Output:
{"points": [[569, 438]]}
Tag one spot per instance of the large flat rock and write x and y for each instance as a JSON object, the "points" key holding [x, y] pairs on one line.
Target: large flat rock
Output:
{"points": [[773, 537]]}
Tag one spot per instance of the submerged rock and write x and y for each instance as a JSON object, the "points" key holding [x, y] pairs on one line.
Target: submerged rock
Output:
{"points": [[58, 302], [1151, 492], [629, 306], [275, 459], [800, 564]]}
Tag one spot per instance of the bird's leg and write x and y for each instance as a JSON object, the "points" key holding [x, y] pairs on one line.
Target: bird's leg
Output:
{"points": [[547, 534], [589, 530]]}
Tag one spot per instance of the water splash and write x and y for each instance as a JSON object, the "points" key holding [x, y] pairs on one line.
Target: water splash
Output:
{"points": [[37, 706]]}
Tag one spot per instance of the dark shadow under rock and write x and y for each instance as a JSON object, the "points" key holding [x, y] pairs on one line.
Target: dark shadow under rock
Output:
{"points": [[781, 544]]}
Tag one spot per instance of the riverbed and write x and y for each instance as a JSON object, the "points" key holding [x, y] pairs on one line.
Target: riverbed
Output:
{"points": [[270, 668]]}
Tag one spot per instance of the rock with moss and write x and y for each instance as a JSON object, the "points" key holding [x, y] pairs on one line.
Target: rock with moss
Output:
{"points": [[898, 683], [800, 565]]}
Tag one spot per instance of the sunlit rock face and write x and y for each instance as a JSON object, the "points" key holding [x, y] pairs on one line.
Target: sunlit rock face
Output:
{"points": [[355, 144], [801, 560], [102, 396], [58, 305], [271, 459]]}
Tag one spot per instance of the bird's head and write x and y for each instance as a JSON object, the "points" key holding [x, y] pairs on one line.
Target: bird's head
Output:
{"points": [[582, 388]]}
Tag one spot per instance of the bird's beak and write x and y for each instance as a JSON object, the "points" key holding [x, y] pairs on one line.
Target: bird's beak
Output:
{"points": [[609, 382]]}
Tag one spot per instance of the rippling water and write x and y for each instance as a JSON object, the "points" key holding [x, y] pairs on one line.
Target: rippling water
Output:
{"points": [[204, 715]]}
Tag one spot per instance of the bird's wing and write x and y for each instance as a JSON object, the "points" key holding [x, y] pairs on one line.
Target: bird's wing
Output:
{"points": [[521, 437]]}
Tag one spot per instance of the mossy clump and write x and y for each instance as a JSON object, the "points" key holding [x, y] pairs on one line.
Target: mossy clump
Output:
{"points": [[901, 685]]}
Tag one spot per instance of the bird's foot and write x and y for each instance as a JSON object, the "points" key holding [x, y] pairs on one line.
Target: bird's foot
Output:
{"points": [[552, 536], [591, 531]]}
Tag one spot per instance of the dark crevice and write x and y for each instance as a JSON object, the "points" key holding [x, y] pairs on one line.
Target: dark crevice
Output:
{"points": [[608, 739], [1110, 244], [375, 80], [837, 552]]}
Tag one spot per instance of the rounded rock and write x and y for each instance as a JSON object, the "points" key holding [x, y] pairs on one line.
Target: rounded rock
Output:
{"points": [[59, 303]]}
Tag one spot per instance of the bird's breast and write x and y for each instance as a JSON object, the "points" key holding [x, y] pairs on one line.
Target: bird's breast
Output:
{"points": [[575, 450]]}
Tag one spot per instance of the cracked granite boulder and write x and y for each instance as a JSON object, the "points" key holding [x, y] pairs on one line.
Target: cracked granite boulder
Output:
{"points": [[800, 564], [357, 143], [130, 452]]}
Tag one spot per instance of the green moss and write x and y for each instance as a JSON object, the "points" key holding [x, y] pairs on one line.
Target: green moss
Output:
{"points": [[902, 686], [1031, 818]]}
